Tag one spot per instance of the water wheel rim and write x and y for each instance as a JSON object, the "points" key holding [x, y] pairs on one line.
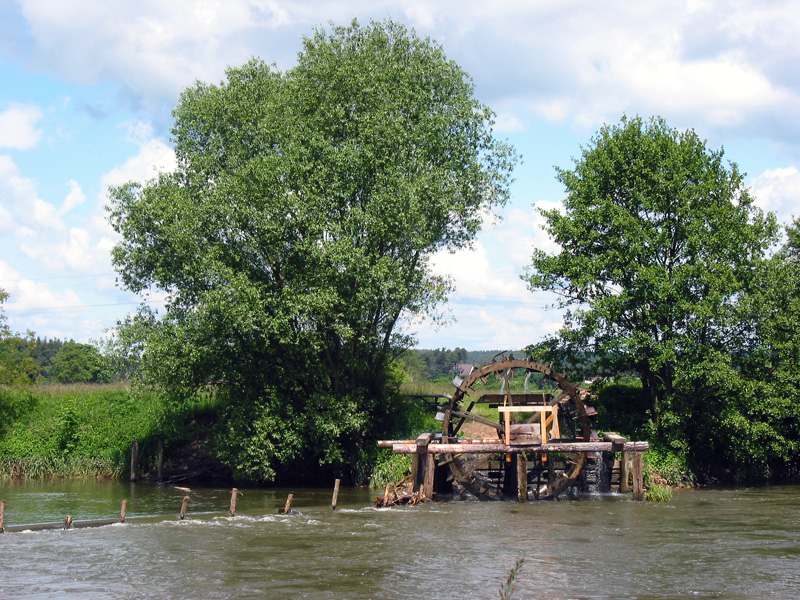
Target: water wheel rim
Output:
{"points": [[454, 417]]}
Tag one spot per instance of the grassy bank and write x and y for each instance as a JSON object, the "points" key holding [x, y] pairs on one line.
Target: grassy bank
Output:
{"points": [[81, 430]]}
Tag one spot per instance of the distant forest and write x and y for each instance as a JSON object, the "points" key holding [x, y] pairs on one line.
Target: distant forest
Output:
{"points": [[422, 365]]}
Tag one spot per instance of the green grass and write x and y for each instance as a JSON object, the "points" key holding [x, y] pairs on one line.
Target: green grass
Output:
{"points": [[658, 493], [78, 430]]}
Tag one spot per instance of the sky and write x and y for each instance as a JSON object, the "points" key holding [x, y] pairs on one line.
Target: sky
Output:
{"points": [[87, 88]]}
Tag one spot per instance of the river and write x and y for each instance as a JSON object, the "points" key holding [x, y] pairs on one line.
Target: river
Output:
{"points": [[710, 543]]}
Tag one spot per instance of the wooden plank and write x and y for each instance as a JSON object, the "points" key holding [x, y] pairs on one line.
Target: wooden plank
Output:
{"points": [[495, 447], [532, 408], [515, 398]]}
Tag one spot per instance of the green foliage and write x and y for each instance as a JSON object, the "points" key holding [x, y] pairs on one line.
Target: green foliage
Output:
{"points": [[295, 236], [658, 239], [79, 363], [75, 430], [669, 463], [389, 468], [16, 362], [664, 269], [44, 351], [622, 407], [658, 493]]}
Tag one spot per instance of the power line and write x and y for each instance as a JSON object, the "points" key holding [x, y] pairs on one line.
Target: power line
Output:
{"points": [[78, 306]]}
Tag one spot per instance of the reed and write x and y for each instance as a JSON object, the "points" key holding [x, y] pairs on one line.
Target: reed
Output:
{"points": [[658, 493]]}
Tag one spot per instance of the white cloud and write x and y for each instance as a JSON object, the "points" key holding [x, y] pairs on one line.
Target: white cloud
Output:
{"points": [[19, 198], [778, 191], [26, 294], [76, 197], [154, 156], [18, 127], [7, 222], [723, 62]]}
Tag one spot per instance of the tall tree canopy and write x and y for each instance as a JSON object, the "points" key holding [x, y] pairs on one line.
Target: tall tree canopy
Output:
{"points": [[295, 234], [659, 242]]}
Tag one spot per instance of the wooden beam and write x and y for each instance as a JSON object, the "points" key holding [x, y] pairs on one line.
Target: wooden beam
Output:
{"points": [[476, 417], [617, 440], [517, 399], [495, 447]]}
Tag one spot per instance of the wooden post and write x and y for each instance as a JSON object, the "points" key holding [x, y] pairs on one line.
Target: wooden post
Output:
{"points": [[624, 473], [123, 511], [419, 461], [335, 494], [68, 522], [416, 460], [522, 478], [234, 494], [183, 507], [2, 514], [638, 476], [430, 471], [287, 507], [134, 459], [160, 459]]}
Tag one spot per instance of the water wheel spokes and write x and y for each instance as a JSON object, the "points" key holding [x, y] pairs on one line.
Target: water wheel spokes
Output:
{"points": [[494, 476]]}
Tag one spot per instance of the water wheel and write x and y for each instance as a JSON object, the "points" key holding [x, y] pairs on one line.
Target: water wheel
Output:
{"points": [[495, 476]]}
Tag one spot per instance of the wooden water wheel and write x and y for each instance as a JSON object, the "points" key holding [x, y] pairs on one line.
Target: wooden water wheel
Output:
{"points": [[556, 415]]}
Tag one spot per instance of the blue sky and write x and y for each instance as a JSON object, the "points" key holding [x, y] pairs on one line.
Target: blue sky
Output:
{"points": [[87, 86]]}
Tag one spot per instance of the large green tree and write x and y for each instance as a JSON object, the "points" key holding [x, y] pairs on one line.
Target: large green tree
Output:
{"points": [[294, 237], [658, 240]]}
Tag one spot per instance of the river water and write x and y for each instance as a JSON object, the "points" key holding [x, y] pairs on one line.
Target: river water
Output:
{"points": [[727, 543]]}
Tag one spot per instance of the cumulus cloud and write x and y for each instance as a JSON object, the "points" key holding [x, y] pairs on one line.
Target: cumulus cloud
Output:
{"points": [[26, 294], [778, 191], [724, 62], [22, 202], [154, 156], [18, 127]]}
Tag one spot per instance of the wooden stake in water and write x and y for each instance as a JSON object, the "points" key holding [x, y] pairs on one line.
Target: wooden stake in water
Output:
{"points": [[2, 514], [160, 467], [335, 494], [183, 507], [234, 494], [285, 510], [68, 522], [123, 511], [134, 459]]}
